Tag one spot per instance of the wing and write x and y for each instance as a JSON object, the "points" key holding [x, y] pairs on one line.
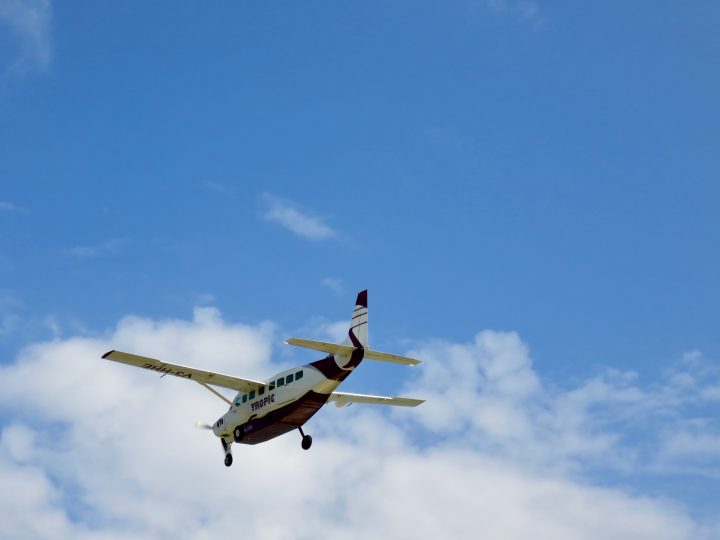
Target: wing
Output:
{"points": [[344, 398], [184, 372]]}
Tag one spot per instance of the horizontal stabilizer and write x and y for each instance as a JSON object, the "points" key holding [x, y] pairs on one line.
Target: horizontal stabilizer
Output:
{"points": [[346, 350], [392, 358], [344, 398], [322, 346]]}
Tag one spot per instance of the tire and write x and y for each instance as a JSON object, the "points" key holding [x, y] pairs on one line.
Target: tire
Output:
{"points": [[228, 460], [238, 434], [306, 442]]}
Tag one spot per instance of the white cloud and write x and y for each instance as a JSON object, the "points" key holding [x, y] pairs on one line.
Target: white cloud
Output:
{"points": [[524, 10], [286, 214], [322, 329], [10, 321], [90, 251], [19, 326], [694, 444], [9, 324], [488, 390], [30, 21], [7, 207], [205, 298], [335, 285], [711, 393], [9, 299], [94, 449]]}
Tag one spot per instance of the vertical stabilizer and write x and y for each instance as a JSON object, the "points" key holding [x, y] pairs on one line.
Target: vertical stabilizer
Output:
{"points": [[358, 331]]}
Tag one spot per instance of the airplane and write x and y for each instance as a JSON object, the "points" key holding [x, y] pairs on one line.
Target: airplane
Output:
{"points": [[263, 410]]}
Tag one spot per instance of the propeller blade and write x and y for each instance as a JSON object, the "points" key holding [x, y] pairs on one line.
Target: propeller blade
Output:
{"points": [[202, 425]]}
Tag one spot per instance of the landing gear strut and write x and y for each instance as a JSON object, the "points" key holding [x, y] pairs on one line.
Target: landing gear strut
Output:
{"points": [[228, 454], [306, 440]]}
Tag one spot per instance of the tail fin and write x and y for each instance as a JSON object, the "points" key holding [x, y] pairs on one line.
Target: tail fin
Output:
{"points": [[350, 353], [358, 332]]}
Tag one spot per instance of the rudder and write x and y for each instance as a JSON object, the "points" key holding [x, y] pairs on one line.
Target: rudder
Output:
{"points": [[358, 331]]}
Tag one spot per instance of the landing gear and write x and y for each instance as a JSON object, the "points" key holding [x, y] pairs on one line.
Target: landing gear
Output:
{"points": [[228, 454], [306, 440], [238, 434]]}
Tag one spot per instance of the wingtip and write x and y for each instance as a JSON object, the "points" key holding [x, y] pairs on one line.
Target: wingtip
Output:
{"points": [[108, 353]]}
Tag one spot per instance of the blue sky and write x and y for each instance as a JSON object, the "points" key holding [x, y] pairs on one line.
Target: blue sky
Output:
{"points": [[519, 166]]}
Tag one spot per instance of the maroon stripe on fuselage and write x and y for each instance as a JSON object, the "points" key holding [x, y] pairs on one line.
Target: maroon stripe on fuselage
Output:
{"points": [[330, 370], [359, 351], [355, 341], [356, 358], [284, 419]]}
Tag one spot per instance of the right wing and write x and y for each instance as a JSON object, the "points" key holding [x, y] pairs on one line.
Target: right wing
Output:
{"points": [[345, 398], [184, 372]]}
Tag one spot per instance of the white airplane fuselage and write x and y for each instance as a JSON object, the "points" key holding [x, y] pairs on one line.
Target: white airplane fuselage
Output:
{"points": [[274, 409]]}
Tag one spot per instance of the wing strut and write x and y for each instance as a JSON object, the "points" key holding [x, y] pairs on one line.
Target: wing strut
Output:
{"points": [[218, 394]]}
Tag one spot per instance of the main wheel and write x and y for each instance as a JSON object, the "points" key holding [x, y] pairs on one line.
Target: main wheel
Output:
{"points": [[306, 442], [238, 434], [228, 460]]}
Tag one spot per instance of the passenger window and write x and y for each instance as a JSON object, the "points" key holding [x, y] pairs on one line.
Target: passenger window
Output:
{"points": [[252, 394], [244, 398], [272, 386], [261, 391], [289, 379], [280, 382], [298, 375]]}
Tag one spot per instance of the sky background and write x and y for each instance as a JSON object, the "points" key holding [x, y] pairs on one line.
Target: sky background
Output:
{"points": [[528, 189]]}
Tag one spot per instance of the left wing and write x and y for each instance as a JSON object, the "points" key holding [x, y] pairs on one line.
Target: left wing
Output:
{"points": [[184, 372], [344, 398]]}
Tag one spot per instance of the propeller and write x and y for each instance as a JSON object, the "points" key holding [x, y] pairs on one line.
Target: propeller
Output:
{"points": [[202, 425]]}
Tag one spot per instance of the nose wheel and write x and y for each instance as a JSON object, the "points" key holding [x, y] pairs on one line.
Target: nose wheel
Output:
{"points": [[306, 442], [228, 453]]}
